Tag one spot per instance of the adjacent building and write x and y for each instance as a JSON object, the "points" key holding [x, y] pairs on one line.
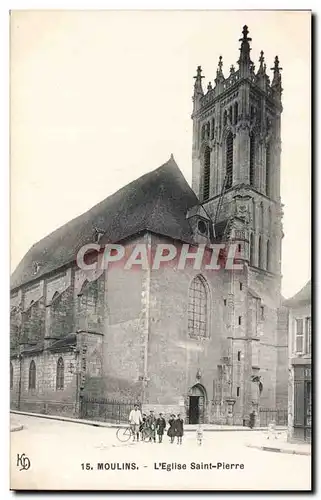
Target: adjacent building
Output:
{"points": [[300, 351]]}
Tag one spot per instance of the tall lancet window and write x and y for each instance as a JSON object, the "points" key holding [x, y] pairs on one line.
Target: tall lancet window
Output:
{"points": [[260, 252], [206, 173], [229, 160], [198, 308], [213, 128], [252, 250], [268, 256], [60, 375], [236, 113], [261, 216], [252, 158], [268, 170], [32, 375]]}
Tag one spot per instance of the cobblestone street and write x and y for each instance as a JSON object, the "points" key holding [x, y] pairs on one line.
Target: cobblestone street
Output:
{"points": [[57, 450]]}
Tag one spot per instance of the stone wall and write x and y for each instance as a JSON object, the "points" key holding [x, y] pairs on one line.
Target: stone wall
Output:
{"points": [[45, 398]]}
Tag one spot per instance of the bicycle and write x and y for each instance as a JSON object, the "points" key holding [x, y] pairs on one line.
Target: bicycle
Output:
{"points": [[124, 434]]}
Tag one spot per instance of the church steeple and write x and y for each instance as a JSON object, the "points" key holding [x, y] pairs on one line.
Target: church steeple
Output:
{"points": [[277, 80], [198, 88], [244, 61], [236, 150]]}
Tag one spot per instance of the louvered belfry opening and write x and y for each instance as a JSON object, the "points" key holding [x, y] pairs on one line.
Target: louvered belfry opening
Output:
{"points": [[229, 160], [252, 158], [267, 170], [207, 171]]}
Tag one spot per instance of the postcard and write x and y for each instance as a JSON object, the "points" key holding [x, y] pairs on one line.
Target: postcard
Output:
{"points": [[160, 299]]}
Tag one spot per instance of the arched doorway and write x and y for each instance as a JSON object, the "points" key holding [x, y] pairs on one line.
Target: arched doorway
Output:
{"points": [[196, 404]]}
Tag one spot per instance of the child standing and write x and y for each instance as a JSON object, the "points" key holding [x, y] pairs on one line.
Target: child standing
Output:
{"points": [[179, 429]]}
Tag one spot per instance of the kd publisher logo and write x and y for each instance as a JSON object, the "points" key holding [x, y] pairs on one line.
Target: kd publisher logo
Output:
{"points": [[23, 462]]}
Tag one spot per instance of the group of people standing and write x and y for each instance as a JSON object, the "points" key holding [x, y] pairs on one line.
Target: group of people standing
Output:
{"points": [[148, 426]]}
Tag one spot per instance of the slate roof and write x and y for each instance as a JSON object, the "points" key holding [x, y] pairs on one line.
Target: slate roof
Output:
{"points": [[157, 201], [301, 298]]}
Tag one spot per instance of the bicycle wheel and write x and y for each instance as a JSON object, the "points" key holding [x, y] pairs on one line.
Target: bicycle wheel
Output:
{"points": [[124, 434]]}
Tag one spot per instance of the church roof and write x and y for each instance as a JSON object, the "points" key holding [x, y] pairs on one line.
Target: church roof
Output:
{"points": [[157, 202], [301, 298]]}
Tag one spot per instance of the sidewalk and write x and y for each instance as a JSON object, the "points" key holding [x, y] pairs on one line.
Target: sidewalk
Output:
{"points": [[15, 425], [278, 443], [96, 423]]}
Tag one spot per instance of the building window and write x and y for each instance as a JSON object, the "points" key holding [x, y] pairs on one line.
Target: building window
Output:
{"points": [[225, 118], [32, 375], [303, 335], [11, 375], [239, 355], [268, 256], [241, 286], [230, 112], [267, 169], [197, 308], [252, 158], [207, 171], [238, 392], [261, 215], [260, 252], [225, 302], [213, 128], [262, 312], [60, 375], [229, 160], [308, 339], [252, 249], [236, 113], [203, 133], [240, 320], [299, 335]]}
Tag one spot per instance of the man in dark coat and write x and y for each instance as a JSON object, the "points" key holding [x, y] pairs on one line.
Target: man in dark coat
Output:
{"points": [[160, 426], [179, 429], [151, 423]]}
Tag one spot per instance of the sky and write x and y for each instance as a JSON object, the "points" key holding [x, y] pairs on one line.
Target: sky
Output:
{"points": [[99, 98]]}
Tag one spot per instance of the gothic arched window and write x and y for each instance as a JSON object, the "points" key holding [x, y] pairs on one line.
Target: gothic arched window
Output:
{"points": [[208, 130], [267, 169], [229, 160], [270, 220], [11, 375], [203, 133], [236, 112], [213, 128], [206, 173], [60, 375], [252, 250], [261, 216], [252, 158], [225, 118], [260, 252], [198, 308], [32, 375], [268, 256]]}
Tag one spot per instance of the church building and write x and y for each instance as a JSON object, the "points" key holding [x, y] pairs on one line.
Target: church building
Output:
{"points": [[207, 344]]}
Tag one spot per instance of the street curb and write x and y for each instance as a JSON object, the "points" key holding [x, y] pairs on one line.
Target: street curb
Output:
{"points": [[15, 428], [108, 425], [279, 450]]}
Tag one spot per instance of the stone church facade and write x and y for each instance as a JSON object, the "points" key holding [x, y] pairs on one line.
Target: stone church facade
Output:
{"points": [[206, 343]]}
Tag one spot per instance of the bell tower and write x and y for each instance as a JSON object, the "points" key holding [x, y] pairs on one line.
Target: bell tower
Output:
{"points": [[236, 155], [236, 176]]}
